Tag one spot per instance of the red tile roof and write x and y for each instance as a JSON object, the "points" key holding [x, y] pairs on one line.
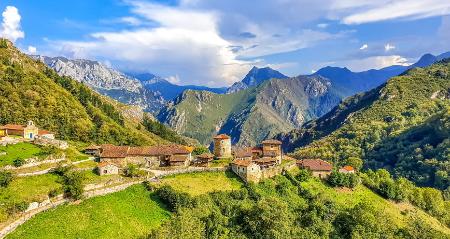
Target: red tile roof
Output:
{"points": [[114, 151], [243, 153], [111, 151], [43, 132], [222, 136], [244, 163], [205, 156], [12, 127], [271, 141], [315, 164], [93, 147], [348, 168]]}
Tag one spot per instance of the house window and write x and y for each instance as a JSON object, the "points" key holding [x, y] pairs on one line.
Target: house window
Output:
{"points": [[105, 171]]}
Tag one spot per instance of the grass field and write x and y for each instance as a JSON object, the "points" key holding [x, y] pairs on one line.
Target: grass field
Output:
{"points": [[131, 213], [29, 189], [20, 150], [204, 182]]}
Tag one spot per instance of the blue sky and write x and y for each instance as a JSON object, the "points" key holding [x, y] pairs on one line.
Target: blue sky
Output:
{"points": [[215, 43]]}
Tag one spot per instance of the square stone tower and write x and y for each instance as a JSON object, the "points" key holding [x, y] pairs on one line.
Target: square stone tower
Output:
{"points": [[222, 146]]}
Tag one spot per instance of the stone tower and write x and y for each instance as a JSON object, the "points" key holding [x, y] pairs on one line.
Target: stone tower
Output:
{"points": [[222, 146]]}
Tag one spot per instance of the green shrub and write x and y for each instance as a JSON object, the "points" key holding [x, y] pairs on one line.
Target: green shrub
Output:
{"points": [[174, 199], [73, 184], [6, 178], [18, 162], [133, 171]]}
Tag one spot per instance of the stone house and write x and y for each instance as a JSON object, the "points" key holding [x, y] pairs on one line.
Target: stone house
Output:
{"points": [[204, 159], [93, 150], [222, 146], [164, 155], [272, 148], [267, 162], [243, 154], [318, 167], [247, 170], [347, 169], [107, 168], [45, 134]]}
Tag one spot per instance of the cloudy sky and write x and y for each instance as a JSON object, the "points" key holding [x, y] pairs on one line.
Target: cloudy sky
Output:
{"points": [[215, 43]]}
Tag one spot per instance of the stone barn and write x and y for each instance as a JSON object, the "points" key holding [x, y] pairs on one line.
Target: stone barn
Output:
{"points": [[318, 167], [107, 168], [222, 146]]}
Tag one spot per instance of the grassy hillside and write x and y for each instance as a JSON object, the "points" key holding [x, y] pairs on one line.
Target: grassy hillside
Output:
{"points": [[402, 126], [127, 214], [31, 91], [282, 207], [250, 115]]}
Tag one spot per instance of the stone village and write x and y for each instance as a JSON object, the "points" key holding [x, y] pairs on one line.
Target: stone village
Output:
{"points": [[251, 164]]}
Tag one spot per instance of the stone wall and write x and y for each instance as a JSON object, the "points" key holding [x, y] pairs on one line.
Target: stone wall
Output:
{"points": [[31, 162]]}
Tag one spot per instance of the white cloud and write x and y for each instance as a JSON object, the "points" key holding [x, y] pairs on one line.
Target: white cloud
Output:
{"points": [[363, 47], [389, 47], [174, 79], [382, 10], [374, 62], [31, 50], [185, 44], [11, 24], [322, 25]]}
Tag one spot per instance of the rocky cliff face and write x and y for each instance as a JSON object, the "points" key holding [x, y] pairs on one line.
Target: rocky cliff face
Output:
{"points": [[251, 115], [106, 81], [255, 77]]}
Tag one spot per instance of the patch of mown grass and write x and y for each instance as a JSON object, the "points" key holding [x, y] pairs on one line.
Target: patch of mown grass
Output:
{"points": [[131, 213], [18, 151], [203, 182], [29, 189]]}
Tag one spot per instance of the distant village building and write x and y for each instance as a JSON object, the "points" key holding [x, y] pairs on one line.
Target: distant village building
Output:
{"points": [[164, 155], [46, 134], [272, 148], [93, 150], [28, 131], [107, 168], [257, 163], [243, 154], [347, 169], [204, 159], [318, 167], [222, 146], [247, 170]]}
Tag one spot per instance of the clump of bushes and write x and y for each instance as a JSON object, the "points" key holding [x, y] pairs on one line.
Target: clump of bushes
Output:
{"points": [[6, 178], [18, 162], [337, 179], [133, 171], [173, 199]]}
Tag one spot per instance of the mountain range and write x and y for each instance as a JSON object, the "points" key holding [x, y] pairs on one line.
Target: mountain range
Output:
{"points": [[350, 83], [402, 125], [146, 90], [253, 114]]}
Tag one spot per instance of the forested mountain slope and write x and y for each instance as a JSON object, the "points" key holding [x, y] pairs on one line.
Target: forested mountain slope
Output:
{"points": [[251, 115], [29, 90], [402, 126]]}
